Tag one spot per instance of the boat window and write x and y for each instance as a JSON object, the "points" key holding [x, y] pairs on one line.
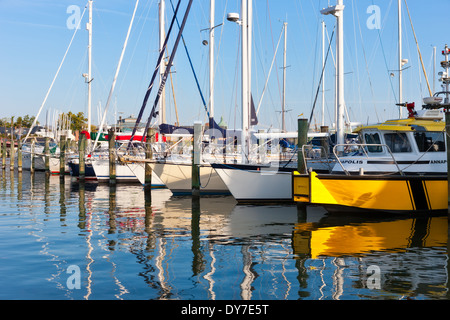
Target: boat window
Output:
{"points": [[430, 141], [373, 138], [397, 142]]}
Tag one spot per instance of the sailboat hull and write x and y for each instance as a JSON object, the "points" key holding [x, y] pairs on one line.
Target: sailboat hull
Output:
{"points": [[259, 184], [129, 172], [177, 177], [39, 163], [88, 170]]}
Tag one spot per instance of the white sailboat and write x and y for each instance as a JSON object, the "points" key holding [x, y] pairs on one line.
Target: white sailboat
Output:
{"points": [[98, 159], [176, 173], [40, 158], [257, 182], [408, 145], [34, 151]]}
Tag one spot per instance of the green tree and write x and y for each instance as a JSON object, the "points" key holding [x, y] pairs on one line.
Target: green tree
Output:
{"points": [[24, 122], [77, 121], [27, 121]]}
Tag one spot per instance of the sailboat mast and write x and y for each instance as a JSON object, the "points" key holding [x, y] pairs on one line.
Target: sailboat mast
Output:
{"points": [[338, 12], [211, 59], [400, 64], [245, 83], [283, 104], [434, 69], [162, 67], [89, 79], [340, 71], [445, 78], [323, 73]]}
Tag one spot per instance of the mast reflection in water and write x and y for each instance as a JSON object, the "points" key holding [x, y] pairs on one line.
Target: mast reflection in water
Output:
{"points": [[131, 245]]}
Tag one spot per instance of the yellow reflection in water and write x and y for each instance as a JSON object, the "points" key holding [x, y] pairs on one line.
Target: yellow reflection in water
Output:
{"points": [[363, 238]]}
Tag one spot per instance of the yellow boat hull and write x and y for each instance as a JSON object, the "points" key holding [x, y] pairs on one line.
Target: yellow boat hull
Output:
{"points": [[380, 193]]}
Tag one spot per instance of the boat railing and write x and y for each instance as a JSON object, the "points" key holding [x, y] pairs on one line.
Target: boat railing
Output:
{"points": [[361, 149], [317, 154]]}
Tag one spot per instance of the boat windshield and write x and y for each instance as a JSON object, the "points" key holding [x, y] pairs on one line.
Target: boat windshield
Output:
{"points": [[430, 141], [373, 138], [397, 142]]}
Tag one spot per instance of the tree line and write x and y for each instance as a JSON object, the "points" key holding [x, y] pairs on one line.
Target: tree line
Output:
{"points": [[74, 121]]}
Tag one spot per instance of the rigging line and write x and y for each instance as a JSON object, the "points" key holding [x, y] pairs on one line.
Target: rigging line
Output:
{"points": [[270, 70], [315, 61], [192, 67], [117, 74], [56, 75], [418, 49], [174, 100], [166, 72], [271, 33], [320, 81], [155, 72], [356, 59], [385, 62], [219, 45], [142, 17], [367, 66]]}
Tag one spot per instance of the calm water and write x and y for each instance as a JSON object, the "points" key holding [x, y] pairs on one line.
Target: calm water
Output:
{"points": [[62, 241]]}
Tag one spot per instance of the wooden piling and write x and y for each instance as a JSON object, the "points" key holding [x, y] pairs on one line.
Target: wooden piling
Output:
{"points": [[47, 155], [324, 142], [196, 153], [62, 156], [302, 140], [148, 155], [12, 154], [19, 155], [32, 157], [112, 156], [81, 157], [4, 154]]}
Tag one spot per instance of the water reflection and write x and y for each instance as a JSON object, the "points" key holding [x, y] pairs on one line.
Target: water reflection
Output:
{"points": [[411, 254], [130, 244]]}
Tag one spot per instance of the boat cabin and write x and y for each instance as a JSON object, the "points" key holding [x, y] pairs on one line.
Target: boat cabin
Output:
{"points": [[412, 145]]}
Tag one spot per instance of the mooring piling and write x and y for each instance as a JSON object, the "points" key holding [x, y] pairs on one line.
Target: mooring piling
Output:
{"points": [[112, 156], [196, 155], [62, 156]]}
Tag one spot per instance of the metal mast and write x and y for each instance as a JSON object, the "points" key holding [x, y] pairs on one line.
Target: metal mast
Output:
{"points": [[338, 12], [283, 104], [162, 67], [89, 79], [400, 63], [211, 59]]}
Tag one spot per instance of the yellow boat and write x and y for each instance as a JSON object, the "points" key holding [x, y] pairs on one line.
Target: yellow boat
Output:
{"points": [[400, 167], [387, 193]]}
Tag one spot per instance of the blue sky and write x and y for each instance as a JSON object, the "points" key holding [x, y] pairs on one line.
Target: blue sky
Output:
{"points": [[34, 37]]}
